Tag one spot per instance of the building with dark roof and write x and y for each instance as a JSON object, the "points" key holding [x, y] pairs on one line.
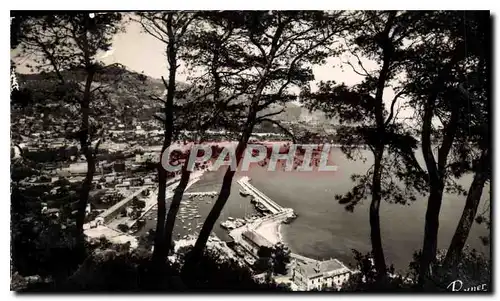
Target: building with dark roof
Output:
{"points": [[253, 241]]}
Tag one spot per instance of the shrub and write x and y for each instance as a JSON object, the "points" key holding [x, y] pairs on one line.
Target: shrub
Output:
{"points": [[123, 227]]}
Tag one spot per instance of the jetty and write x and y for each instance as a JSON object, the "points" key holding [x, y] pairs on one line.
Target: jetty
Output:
{"points": [[114, 210], [303, 259], [266, 225], [201, 193], [260, 197]]}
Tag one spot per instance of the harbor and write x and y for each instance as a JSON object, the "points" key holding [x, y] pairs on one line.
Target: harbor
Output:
{"points": [[256, 224], [251, 234]]}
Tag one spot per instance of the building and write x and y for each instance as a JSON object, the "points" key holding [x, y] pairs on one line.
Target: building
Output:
{"points": [[253, 241], [319, 275], [78, 168]]}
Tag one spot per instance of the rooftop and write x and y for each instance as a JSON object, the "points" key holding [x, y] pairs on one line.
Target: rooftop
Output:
{"points": [[257, 238], [322, 267]]}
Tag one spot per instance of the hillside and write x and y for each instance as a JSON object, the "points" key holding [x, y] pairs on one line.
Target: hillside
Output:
{"points": [[125, 99]]}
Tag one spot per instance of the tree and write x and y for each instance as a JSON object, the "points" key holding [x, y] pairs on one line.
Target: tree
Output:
{"points": [[123, 227], [197, 107], [66, 42], [273, 260], [451, 43], [266, 54], [139, 204], [379, 36], [474, 140], [169, 28]]}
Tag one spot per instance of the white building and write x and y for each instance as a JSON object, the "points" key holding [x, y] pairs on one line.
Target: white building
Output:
{"points": [[323, 274], [78, 168]]}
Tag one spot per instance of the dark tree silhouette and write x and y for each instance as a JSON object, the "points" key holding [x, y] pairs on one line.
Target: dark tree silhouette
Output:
{"points": [[169, 28], [71, 42], [437, 75], [378, 36], [267, 53]]}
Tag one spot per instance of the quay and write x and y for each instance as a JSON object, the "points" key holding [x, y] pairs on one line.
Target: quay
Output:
{"points": [[303, 259], [114, 210], [202, 193], [266, 228], [169, 193], [260, 197], [305, 273]]}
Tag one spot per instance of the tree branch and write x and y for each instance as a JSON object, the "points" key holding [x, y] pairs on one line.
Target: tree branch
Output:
{"points": [[391, 115], [272, 114], [258, 120]]}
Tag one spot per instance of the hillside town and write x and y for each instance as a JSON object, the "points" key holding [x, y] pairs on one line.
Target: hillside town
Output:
{"points": [[202, 151]]}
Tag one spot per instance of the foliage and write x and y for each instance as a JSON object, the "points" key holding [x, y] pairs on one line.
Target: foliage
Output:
{"points": [[217, 273], [123, 227], [273, 260], [243, 71]]}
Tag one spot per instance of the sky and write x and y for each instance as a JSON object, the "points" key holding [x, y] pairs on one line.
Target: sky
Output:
{"points": [[142, 52]]}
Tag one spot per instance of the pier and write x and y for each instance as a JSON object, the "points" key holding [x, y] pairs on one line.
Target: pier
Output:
{"points": [[304, 259], [260, 197], [114, 210], [266, 226], [203, 193], [151, 202]]}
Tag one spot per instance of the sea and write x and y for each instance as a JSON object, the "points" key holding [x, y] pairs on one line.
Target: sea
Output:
{"points": [[324, 229]]}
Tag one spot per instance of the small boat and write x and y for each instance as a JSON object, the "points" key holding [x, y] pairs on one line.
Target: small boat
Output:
{"points": [[227, 225], [230, 218], [261, 207], [223, 225], [239, 251], [198, 216], [244, 193], [249, 260], [184, 227]]}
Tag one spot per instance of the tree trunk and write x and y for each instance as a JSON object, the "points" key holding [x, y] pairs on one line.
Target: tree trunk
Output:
{"points": [[436, 170], [469, 213], [174, 206], [160, 243], [209, 223], [375, 234], [89, 156], [224, 193], [84, 195], [431, 232]]}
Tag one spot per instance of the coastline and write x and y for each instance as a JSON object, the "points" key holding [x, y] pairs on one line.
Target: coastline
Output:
{"points": [[271, 231]]}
